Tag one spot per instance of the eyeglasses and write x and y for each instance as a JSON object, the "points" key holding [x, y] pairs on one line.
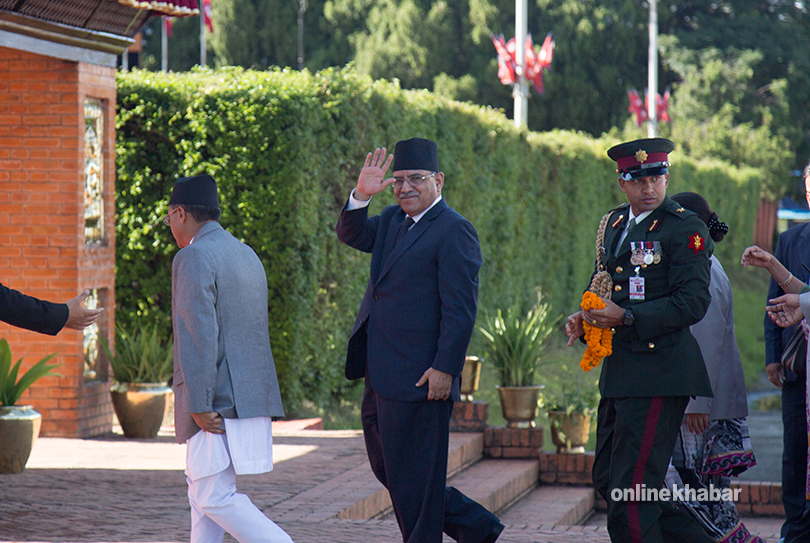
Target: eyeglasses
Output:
{"points": [[413, 180], [166, 220]]}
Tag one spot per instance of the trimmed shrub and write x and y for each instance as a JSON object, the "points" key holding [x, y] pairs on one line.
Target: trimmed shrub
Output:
{"points": [[286, 147]]}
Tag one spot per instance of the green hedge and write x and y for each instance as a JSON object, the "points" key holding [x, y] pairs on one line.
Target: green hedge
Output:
{"points": [[286, 148]]}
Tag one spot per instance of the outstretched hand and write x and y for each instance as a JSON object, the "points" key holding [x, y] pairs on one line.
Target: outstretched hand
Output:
{"points": [[785, 310], [372, 177], [756, 256], [78, 315]]}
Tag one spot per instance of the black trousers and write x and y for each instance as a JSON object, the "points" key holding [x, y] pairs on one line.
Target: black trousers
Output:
{"points": [[635, 438], [407, 444], [796, 528]]}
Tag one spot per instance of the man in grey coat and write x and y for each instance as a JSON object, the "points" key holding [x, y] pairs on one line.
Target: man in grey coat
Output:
{"points": [[225, 380]]}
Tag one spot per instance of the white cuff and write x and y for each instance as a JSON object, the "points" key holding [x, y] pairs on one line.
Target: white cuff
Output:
{"points": [[354, 203]]}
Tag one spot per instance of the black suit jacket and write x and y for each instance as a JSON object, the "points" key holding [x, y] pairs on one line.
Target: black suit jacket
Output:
{"points": [[792, 250], [30, 313], [420, 305]]}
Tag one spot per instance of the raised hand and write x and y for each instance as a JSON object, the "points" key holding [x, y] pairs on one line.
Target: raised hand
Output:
{"points": [[372, 177]]}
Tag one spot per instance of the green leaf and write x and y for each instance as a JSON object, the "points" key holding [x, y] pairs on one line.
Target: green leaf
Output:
{"points": [[140, 356], [10, 388]]}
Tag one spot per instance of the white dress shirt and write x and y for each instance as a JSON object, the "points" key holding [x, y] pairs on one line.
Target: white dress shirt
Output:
{"points": [[248, 443]]}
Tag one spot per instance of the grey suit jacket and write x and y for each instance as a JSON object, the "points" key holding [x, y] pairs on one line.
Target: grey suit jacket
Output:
{"points": [[718, 344], [222, 357]]}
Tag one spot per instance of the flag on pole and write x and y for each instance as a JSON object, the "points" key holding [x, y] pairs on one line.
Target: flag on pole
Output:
{"points": [[535, 63], [506, 62], [168, 22], [207, 15], [661, 107], [637, 107], [534, 71], [546, 54]]}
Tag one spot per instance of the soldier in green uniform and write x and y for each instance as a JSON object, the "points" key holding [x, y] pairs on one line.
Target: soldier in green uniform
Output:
{"points": [[657, 255]]}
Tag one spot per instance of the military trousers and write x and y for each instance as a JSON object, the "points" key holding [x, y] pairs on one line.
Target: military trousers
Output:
{"points": [[635, 438]]}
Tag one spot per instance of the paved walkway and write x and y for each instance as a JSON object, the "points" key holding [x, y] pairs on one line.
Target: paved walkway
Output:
{"points": [[113, 490]]}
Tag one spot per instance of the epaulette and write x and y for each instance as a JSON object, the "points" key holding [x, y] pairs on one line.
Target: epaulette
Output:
{"points": [[678, 210]]}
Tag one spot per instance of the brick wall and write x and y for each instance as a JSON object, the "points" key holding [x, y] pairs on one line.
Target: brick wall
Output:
{"points": [[754, 499], [42, 245]]}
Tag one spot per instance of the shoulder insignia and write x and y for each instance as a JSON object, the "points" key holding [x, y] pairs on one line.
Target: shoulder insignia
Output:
{"points": [[617, 222], [654, 226], [696, 243], [676, 210]]}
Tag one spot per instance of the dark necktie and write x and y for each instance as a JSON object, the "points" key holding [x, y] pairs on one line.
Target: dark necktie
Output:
{"points": [[404, 228], [630, 225]]}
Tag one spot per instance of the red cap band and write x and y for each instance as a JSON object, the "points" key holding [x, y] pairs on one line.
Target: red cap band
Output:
{"points": [[630, 161]]}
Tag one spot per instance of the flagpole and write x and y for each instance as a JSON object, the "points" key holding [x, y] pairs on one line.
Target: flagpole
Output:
{"points": [[164, 45], [302, 8], [652, 73], [202, 33], [521, 89]]}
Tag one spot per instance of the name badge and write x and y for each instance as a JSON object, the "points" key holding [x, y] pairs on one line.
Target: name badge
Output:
{"points": [[637, 288]]}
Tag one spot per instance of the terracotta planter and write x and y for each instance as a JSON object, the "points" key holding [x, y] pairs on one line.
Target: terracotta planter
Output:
{"points": [[520, 405], [569, 433], [19, 428], [470, 375], [140, 407]]}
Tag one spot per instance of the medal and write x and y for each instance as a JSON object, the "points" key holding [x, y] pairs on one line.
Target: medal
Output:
{"points": [[637, 254], [648, 257]]}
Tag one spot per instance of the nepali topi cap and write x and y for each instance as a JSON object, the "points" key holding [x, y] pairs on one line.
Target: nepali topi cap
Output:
{"points": [[416, 154], [641, 158], [199, 190]]}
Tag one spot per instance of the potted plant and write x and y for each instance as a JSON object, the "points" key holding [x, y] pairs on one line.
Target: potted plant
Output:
{"points": [[514, 347], [470, 375], [19, 424], [570, 414], [142, 365]]}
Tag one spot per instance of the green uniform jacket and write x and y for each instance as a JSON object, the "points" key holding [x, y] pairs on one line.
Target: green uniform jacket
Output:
{"points": [[658, 356]]}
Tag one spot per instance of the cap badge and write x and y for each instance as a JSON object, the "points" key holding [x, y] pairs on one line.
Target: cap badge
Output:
{"points": [[641, 155]]}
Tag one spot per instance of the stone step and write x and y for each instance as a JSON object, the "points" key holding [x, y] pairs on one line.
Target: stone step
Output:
{"points": [[552, 506], [497, 483], [356, 494]]}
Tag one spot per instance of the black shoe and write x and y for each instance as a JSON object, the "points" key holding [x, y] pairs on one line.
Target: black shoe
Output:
{"points": [[494, 534]]}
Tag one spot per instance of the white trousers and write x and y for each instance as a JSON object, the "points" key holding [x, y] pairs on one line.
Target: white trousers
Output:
{"points": [[216, 507]]}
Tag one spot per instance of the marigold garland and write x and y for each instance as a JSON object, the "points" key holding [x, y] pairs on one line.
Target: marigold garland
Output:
{"points": [[599, 340]]}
